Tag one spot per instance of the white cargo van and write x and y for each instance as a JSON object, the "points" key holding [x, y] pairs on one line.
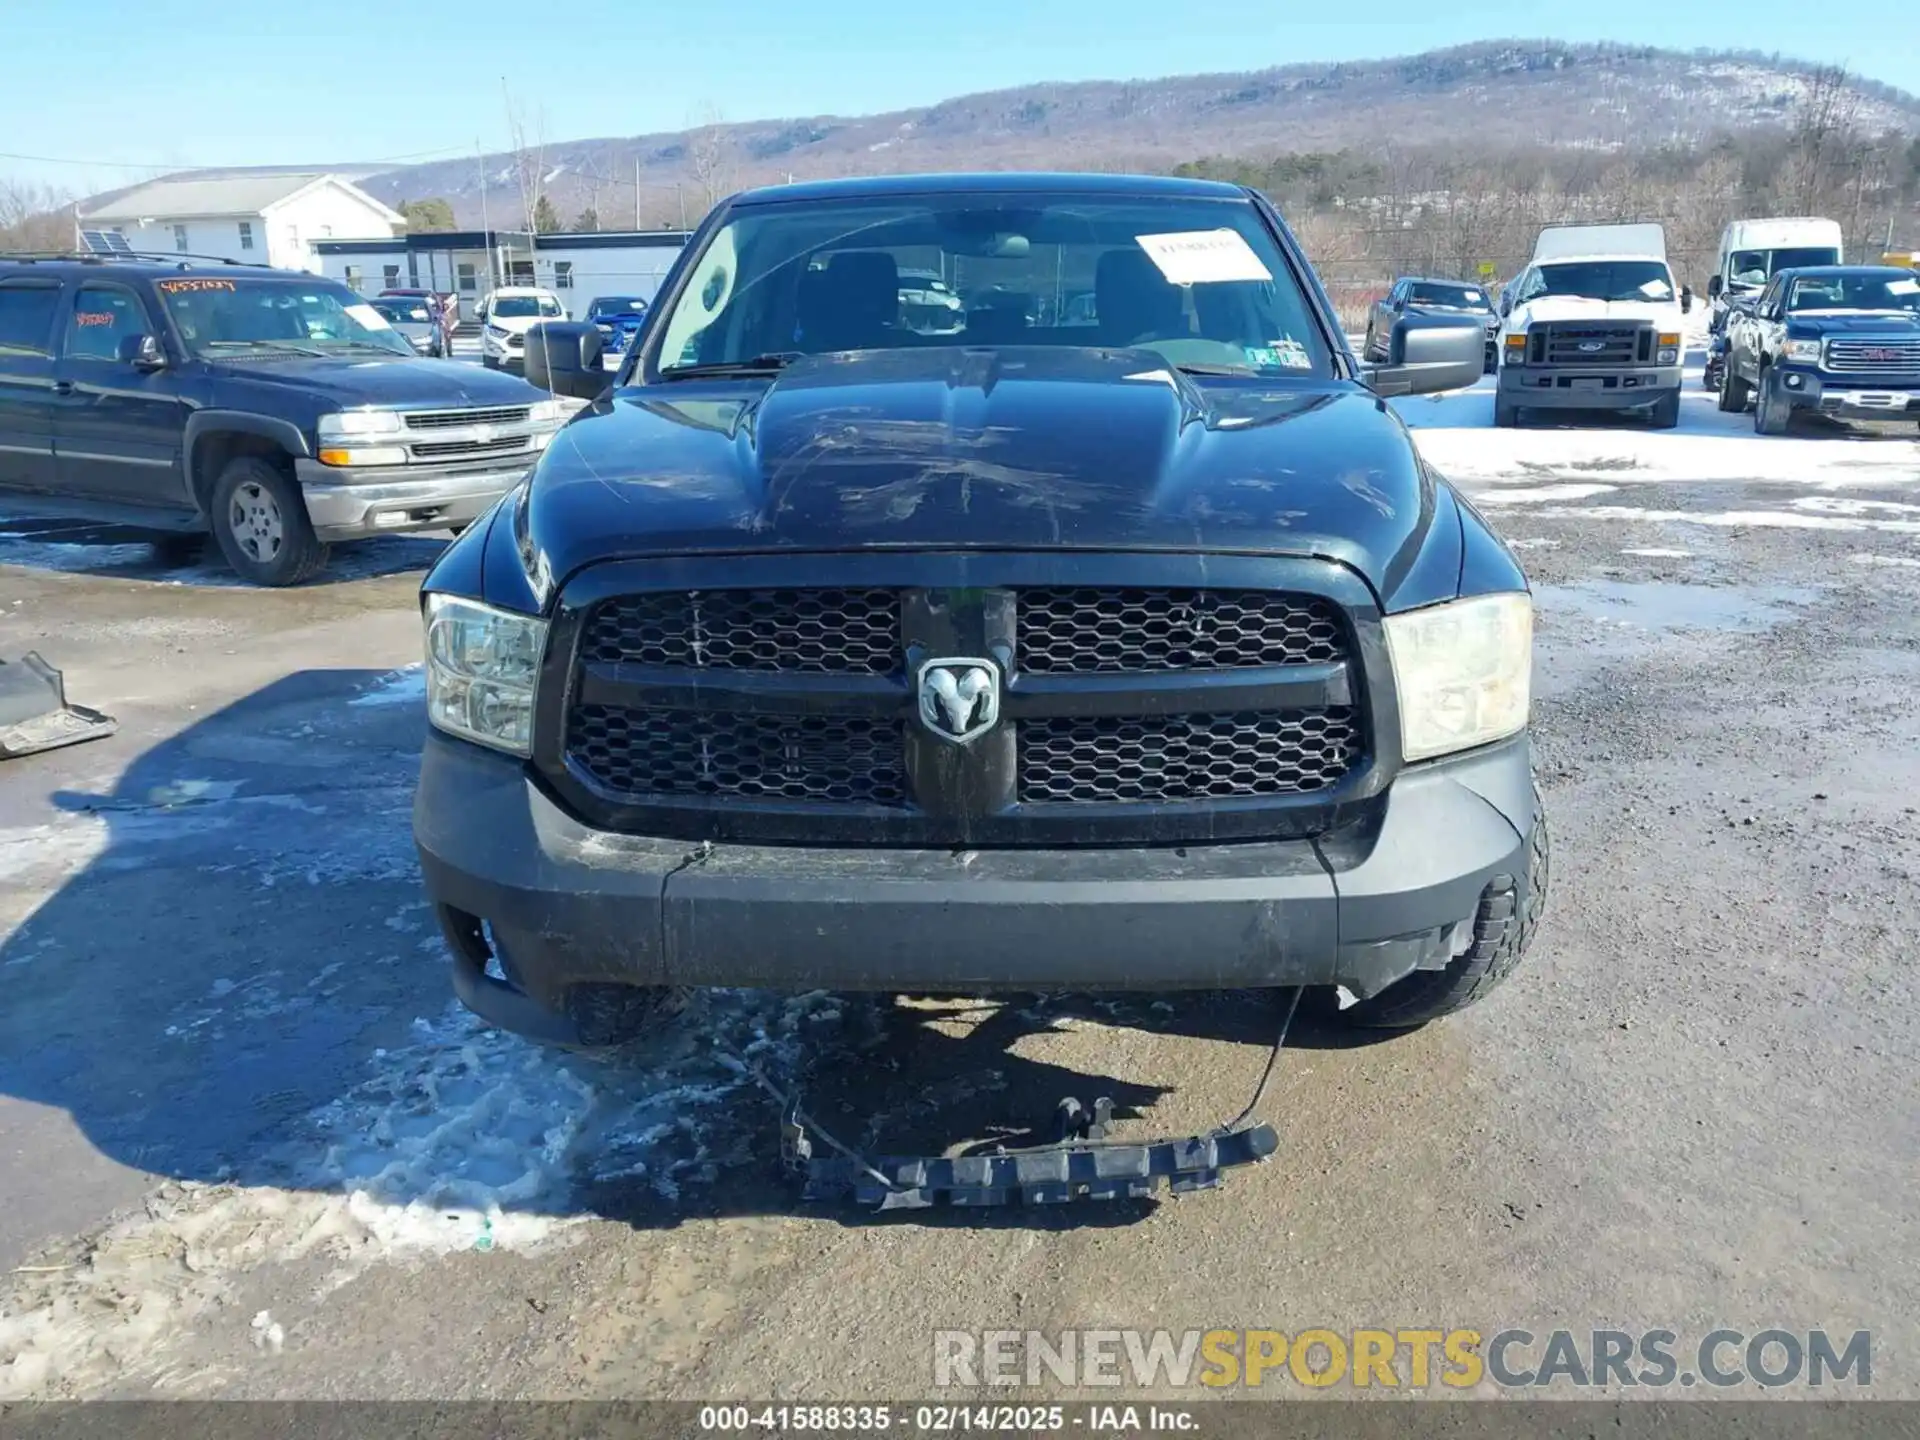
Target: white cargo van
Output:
{"points": [[1752, 250], [1595, 322]]}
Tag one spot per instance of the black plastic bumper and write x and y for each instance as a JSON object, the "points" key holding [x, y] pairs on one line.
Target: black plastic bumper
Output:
{"points": [[572, 910], [1570, 387]]}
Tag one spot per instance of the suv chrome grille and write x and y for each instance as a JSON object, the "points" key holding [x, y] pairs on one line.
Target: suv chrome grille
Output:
{"points": [[446, 419], [1869, 356]]}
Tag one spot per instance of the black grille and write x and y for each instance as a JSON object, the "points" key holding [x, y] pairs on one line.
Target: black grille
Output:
{"points": [[1576, 344], [456, 449], [1080, 760], [1881, 357], [1082, 629], [447, 419], [644, 753], [817, 631]]}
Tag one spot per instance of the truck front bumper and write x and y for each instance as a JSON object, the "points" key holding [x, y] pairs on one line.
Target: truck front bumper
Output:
{"points": [[1572, 387], [1854, 397], [349, 504], [570, 910]]}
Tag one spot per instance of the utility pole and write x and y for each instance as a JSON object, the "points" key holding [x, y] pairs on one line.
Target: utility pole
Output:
{"points": [[636, 190], [680, 195], [486, 225]]}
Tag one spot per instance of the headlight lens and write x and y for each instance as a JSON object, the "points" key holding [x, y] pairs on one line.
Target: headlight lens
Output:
{"points": [[1464, 672], [482, 668], [357, 424], [1803, 349]]}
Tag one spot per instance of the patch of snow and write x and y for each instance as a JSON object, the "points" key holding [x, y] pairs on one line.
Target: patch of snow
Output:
{"points": [[462, 1139], [1899, 562], [1657, 552], [1735, 519], [1539, 494], [405, 686]]}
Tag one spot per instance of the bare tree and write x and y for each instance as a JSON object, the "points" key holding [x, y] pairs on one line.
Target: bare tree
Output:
{"points": [[529, 158], [35, 217], [1825, 131], [710, 156]]}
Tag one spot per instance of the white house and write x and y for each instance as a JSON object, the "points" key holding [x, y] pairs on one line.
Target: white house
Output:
{"points": [[267, 219]]}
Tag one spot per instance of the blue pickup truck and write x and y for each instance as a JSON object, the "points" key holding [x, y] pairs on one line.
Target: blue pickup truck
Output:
{"points": [[618, 318], [1843, 340]]}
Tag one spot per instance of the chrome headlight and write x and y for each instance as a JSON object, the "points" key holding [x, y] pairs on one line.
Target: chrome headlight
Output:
{"points": [[483, 666], [1464, 672], [1803, 350], [359, 424]]}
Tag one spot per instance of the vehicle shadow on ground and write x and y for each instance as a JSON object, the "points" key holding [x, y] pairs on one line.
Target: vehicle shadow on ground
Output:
{"points": [[226, 974], [122, 552]]}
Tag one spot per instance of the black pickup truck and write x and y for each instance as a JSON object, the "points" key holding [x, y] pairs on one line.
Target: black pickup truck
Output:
{"points": [[1139, 651], [276, 409], [1839, 340]]}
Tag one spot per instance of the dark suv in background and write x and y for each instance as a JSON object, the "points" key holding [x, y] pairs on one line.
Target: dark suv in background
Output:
{"points": [[278, 410]]}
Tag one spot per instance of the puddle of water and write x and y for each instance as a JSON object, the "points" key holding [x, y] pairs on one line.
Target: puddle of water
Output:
{"points": [[1670, 605]]}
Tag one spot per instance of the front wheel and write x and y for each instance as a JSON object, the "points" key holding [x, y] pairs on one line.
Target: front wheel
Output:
{"points": [[1734, 392], [489, 362], [1772, 413], [260, 521], [1666, 415], [1503, 930], [1506, 414]]}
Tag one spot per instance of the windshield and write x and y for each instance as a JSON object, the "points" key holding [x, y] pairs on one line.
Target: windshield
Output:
{"points": [[216, 315], [523, 307], [403, 312], [1459, 297], [1604, 280], [606, 308], [1874, 290], [1201, 282], [1751, 269]]}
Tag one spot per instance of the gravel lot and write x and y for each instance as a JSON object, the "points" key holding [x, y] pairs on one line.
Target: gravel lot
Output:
{"points": [[249, 1147]]}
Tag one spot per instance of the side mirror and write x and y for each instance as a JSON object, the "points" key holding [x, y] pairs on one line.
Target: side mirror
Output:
{"points": [[1428, 353], [1686, 299], [564, 357], [1400, 305], [1714, 286], [1506, 305], [143, 352]]}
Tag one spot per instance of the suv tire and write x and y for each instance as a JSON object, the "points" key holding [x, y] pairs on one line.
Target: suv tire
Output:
{"points": [[260, 519], [1734, 392], [1772, 412], [1503, 928]]}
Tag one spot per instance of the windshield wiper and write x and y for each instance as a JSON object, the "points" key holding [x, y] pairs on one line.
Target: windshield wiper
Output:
{"points": [[770, 364], [272, 347], [1241, 370], [365, 345]]}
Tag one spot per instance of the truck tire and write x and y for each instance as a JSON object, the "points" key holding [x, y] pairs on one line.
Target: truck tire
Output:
{"points": [[260, 520], [1506, 414], [1666, 415], [1734, 392], [1503, 929], [489, 362], [1772, 414]]}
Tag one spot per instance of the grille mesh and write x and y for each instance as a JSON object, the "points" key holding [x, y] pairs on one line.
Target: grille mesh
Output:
{"points": [[817, 631], [1885, 357], [447, 419], [843, 759], [1086, 629], [1185, 757]]}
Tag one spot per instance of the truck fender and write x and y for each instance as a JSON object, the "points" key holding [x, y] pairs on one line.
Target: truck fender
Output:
{"points": [[283, 433]]}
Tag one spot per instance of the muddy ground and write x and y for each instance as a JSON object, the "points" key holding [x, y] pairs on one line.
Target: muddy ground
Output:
{"points": [[249, 1148]]}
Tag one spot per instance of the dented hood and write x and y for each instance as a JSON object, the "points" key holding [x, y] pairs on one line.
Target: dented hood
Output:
{"points": [[947, 449]]}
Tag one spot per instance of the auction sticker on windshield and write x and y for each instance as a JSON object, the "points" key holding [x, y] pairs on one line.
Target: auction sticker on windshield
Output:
{"points": [[1203, 257], [184, 287]]}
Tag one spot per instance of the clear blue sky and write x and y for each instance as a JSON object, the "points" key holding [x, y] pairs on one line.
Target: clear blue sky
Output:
{"points": [[129, 85]]}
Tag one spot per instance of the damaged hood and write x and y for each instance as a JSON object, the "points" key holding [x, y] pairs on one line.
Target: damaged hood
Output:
{"points": [[951, 449]]}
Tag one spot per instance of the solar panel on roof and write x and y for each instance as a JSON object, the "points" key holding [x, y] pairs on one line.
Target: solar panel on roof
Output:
{"points": [[106, 242]]}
